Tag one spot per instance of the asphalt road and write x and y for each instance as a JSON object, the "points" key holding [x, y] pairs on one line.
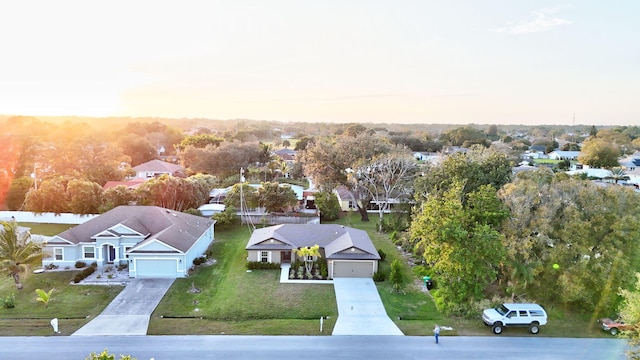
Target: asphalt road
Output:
{"points": [[311, 347]]}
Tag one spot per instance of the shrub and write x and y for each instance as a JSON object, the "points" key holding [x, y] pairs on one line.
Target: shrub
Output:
{"points": [[199, 260], [383, 255], [193, 211], [121, 266], [257, 265], [94, 264], [9, 302], [51, 267], [379, 276], [397, 221], [226, 219], [80, 264], [324, 272], [327, 203], [396, 277], [83, 274]]}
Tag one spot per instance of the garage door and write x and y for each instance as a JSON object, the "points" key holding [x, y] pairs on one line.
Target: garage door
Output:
{"points": [[156, 267], [353, 269]]}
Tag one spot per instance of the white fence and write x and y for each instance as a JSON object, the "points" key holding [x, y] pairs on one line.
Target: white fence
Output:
{"points": [[45, 218]]}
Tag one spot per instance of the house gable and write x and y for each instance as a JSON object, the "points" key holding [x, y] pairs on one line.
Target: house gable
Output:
{"points": [[273, 241], [124, 230], [57, 240], [153, 245]]}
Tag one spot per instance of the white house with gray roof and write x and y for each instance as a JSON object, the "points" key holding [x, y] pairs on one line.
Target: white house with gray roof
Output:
{"points": [[152, 241], [349, 252]]}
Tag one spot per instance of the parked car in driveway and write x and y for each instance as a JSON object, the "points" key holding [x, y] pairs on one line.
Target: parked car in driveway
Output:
{"points": [[613, 326], [522, 315]]}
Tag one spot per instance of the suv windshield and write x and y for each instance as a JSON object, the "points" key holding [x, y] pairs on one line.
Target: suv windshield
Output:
{"points": [[502, 310]]}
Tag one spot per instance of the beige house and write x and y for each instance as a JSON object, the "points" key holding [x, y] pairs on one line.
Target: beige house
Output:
{"points": [[349, 252]]}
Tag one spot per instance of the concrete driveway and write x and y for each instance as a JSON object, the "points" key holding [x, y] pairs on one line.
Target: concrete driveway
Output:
{"points": [[129, 312], [360, 309]]}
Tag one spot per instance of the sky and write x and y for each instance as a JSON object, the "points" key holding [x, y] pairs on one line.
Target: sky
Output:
{"points": [[403, 61]]}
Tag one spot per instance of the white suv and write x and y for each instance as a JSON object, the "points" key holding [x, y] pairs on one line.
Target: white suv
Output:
{"points": [[531, 315]]}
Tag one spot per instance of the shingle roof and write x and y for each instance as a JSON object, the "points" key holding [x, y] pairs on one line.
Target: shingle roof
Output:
{"points": [[176, 229], [158, 166], [332, 238]]}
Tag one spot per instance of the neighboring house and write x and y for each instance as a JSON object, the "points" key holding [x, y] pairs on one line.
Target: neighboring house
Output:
{"points": [[631, 162], [130, 184], [345, 198], [524, 166], [431, 157], [564, 155], [209, 210], [287, 155], [349, 252], [538, 148], [218, 195], [156, 168], [591, 172], [152, 241]]}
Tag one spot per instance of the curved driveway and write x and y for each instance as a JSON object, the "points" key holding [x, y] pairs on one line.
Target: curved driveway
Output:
{"points": [[129, 312], [360, 309]]}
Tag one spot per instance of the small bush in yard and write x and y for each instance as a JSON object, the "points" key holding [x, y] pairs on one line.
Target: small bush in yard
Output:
{"points": [[83, 274], [199, 260], [379, 276], [9, 302], [80, 264], [382, 254]]}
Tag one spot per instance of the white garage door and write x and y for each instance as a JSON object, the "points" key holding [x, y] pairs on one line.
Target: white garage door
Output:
{"points": [[353, 269], [156, 268]]}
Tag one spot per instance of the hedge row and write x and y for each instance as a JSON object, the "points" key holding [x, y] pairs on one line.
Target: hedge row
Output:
{"points": [[83, 274], [254, 265]]}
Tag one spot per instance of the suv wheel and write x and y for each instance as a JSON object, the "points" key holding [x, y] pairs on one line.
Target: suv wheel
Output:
{"points": [[534, 328], [613, 331], [497, 328]]}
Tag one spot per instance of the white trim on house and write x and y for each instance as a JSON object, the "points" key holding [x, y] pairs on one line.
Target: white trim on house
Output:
{"points": [[55, 253], [264, 255], [84, 252], [140, 247]]}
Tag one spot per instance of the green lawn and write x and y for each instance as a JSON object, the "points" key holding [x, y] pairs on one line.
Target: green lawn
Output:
{"points": [[46, 229], [234, 301], [73, 305]]}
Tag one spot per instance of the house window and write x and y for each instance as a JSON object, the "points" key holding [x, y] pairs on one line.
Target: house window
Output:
{"points": [[58, 254], [351, 205], [89, 252], [126, 251], [311, 258], [264, 256]]}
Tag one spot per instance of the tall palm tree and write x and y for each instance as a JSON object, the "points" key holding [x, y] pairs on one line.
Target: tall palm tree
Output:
{"points": [[617, 174], [17, 252]]}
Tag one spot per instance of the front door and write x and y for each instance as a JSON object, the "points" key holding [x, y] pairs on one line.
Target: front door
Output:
{"points": [[111, 254], [285, 256]]}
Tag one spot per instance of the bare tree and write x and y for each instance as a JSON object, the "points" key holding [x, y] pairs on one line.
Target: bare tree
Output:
{"points": [[386, 178]]}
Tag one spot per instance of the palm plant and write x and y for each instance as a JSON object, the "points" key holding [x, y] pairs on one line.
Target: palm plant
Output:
{"points": [[617, 174], [17, 252], [308, 254], [44, 296]]}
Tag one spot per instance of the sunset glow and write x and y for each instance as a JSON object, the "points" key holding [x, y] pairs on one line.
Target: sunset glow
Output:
{"points": [[336, 61]]}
